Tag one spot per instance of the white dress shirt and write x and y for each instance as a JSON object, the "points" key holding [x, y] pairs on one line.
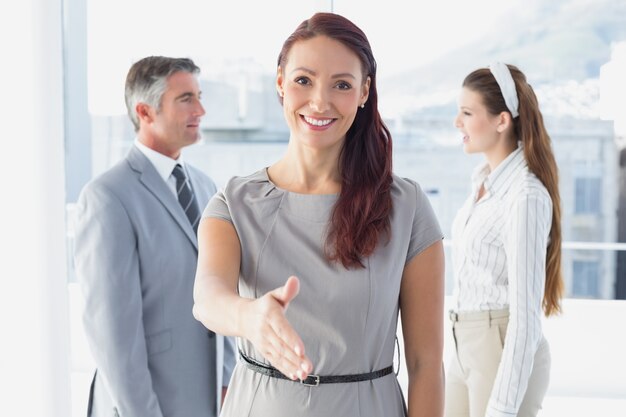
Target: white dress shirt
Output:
{"points": [[163, 164], [499, 258]]}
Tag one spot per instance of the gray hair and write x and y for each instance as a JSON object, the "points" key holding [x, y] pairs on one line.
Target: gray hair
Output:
{"points": [[146, 81]]}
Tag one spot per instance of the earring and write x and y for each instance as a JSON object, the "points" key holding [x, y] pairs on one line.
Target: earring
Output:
{"points": [[280, 93], [362, 105]]}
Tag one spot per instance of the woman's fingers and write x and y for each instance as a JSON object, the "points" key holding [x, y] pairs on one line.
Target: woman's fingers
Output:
{"points": [[274, 336], [283, 357]]}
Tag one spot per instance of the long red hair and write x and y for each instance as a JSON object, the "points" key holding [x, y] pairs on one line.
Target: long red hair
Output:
{"points": [[361, 215]]}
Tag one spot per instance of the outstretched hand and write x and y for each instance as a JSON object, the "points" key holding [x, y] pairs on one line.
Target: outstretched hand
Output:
{"points": [[271, 333]]}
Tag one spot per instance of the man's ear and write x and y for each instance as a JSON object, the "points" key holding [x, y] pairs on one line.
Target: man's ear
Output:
{"points": [[144, 112]]}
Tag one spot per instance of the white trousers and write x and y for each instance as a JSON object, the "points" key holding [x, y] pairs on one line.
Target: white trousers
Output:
{"points": [[479, 341]]}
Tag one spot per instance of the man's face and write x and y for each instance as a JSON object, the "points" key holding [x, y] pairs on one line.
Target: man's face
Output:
{"points": [[177, 123]]}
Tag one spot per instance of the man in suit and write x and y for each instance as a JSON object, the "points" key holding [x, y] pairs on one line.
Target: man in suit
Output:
{"points": [[135, 257]]}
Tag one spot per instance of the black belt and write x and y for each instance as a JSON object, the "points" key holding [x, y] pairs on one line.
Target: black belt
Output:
{"points": [[314, 380]]}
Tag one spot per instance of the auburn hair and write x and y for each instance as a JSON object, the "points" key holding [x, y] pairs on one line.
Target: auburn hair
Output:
{"points": [[360, 217], [530, 130]]}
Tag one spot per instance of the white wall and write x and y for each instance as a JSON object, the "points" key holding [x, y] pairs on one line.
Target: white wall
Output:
{"points": [[34, 353]]}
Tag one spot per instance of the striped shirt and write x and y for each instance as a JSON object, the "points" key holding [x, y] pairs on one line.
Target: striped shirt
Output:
{"points": [[499, 258]]}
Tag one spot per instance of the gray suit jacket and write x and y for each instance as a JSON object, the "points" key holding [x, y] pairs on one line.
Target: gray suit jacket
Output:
{"points": [[135, 258]]}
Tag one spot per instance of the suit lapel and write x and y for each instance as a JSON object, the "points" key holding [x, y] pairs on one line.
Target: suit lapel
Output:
{"points": [[150, 178]]}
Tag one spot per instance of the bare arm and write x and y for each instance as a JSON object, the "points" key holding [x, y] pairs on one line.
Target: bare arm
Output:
{"points": [[219, 307], [421, 306]]}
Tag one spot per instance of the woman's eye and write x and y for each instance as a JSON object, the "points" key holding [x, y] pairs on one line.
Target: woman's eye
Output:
{"points": [[343, 85], [303, 81], [467, 113]]}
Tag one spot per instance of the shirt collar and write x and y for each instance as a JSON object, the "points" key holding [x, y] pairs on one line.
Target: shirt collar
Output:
{"points": [[163, 164], [504, 173]]}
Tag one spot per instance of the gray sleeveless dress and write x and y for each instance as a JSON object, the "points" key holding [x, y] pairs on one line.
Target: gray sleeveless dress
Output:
{"points": [[346, 318]]}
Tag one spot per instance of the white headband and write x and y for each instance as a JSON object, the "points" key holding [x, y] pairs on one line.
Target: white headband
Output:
{"points": [[504, 79]]}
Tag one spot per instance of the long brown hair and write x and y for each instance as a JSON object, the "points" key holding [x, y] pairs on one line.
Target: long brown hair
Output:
{"points": [[361, 215], [530, 129]]}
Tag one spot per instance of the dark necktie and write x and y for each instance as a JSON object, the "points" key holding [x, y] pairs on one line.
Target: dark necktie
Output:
{"points": [[188, 202], [186, 198]]}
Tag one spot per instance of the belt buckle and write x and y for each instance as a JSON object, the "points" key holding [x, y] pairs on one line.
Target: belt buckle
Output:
{"points": [[314, 383]]}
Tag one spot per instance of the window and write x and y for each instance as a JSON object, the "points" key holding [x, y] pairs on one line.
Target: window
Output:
{"points": [[585, 279], [422, 60], [588, 194]]}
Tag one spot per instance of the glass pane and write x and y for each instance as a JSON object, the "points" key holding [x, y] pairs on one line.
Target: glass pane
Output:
{"points": [[586, 277], [422, 58]]}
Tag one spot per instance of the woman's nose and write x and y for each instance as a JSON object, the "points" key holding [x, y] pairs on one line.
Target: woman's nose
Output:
{"points": [[457, 121], [319, 100]]}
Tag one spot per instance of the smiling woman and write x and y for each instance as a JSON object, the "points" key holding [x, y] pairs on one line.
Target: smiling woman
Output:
{"points": [[306, 262], [321, 85]]}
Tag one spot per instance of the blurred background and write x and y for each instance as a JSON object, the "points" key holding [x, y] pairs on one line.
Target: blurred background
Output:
{"points": [[63, 121]]}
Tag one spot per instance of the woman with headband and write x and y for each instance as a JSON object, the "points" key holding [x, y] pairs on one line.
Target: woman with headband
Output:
{"points": [[506, 251]]}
